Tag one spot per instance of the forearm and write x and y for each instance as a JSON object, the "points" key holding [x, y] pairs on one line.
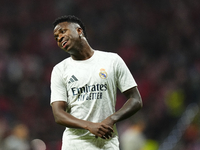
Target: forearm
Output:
{"points": [[133, 104], [127, 110], [67, 120], [63, 118]]}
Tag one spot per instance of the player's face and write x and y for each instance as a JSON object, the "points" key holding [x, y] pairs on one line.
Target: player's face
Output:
{"points": [[66, 34]]}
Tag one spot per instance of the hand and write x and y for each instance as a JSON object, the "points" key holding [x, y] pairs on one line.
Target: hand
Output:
{"points": [[108, 121], [101, 130]]}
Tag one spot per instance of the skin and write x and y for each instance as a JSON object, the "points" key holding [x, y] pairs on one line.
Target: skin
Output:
{"points": [[77, 45], [79, 49]]}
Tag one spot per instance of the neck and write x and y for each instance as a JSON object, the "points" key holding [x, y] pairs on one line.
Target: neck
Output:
{"points": [[83, 55], [82, 52]]}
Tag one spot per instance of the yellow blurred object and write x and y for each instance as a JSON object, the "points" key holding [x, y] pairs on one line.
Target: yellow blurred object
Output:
{"points": [[151, 145], [175, 102]]}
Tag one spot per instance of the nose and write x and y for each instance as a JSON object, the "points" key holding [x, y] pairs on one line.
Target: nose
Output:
{"points": [[60, 38]]}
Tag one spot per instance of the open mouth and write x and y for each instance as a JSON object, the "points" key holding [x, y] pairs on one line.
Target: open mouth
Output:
{"points": [[64, 44]]}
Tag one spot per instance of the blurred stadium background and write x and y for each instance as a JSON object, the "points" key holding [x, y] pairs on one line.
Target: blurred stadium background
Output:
{"points": [[159, 41]]}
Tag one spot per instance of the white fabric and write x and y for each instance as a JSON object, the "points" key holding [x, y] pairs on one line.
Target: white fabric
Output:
{"points": [[89, 87], [132, 140]]}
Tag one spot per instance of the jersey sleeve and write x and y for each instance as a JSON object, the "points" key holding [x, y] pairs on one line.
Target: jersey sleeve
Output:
{"points": [[124, 77], [58, 88]]}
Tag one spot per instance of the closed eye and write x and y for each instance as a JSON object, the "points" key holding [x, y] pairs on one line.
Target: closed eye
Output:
{"points": [[63, 31], [60, 31]]}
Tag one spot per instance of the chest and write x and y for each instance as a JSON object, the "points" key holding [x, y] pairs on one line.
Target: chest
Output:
{"points": [[90, 75]]}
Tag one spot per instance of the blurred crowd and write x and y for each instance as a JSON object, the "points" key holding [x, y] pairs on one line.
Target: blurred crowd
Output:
{"points": [[159, 40]]}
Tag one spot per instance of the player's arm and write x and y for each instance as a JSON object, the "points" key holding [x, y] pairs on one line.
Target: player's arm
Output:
{"points": [[133, 104], [63, 118]]}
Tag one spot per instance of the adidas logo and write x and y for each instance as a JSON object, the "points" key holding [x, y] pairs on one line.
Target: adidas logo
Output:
{"points": [[72, 79]]}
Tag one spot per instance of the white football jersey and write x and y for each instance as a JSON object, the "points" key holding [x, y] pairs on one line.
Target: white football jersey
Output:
{"points": [[89, 87]]}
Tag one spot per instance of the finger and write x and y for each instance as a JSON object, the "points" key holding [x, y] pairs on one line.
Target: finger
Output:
{"points": [[101, 136], [108, 127], [101, 133], [107, 132], [104, 137], [108, 135]]}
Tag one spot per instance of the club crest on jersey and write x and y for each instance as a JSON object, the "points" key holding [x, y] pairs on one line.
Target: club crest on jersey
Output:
{"points": [[103, 73]]}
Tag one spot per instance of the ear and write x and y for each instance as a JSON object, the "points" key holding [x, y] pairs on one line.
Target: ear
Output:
{"points": [[80, 31]]}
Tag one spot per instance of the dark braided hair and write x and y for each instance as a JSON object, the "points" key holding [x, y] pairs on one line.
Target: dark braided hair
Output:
{"points": [[72, 19]]}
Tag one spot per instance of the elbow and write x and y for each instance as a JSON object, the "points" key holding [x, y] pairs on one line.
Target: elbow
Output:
{"points": [[139, 103], [58, 119], [136, 105], [59, 112]]}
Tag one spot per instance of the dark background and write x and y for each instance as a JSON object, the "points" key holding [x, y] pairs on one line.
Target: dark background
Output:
{"points": [[159, 40]]}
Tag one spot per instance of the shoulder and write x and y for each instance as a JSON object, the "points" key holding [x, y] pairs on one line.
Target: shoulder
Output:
{"points": [[110, 55], [61, 65]]}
